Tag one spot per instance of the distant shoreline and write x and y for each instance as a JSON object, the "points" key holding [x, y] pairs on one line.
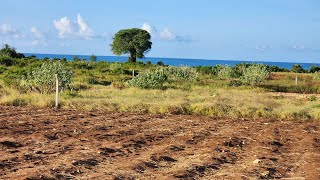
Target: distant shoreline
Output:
{"points": [[176, 61]]}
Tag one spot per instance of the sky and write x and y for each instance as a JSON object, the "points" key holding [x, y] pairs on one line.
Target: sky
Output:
{"points": [[253, 30]]}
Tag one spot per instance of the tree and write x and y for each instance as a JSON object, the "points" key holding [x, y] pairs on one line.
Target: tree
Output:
{"points": [[93, 58], [314, 69], [297, 68], [11, 52], [135, 42]]}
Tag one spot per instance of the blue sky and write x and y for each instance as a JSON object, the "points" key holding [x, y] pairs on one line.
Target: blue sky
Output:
{"points": [[258, 30]]}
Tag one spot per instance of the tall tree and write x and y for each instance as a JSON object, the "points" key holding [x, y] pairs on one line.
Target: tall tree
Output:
{"points": [[135, 42]]}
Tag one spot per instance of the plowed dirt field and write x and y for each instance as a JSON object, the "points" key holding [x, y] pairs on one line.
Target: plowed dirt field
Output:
{"points": [[70, 144]]}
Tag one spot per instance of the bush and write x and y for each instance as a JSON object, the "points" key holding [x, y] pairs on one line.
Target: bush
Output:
{"points": [[42, 78], [10, 52], [314, 69], [210, 70], [316, 76], [117, 68], [2, 69], [183, 73], [254, 74], [13, 76], [7, 61], [160, 63], [235, 83], [149, 80], [239, 69], [297, 68], [277, 69], [92, 79], [225, 72]]}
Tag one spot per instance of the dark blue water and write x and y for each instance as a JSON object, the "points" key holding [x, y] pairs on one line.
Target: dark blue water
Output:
{"points": [[175, 61]]}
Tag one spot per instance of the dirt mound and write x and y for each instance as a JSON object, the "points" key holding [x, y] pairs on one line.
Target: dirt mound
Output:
{"points": [[48, 144]]}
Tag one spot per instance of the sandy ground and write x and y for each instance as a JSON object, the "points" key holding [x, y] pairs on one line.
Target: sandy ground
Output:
{"points": [[67, 144]]}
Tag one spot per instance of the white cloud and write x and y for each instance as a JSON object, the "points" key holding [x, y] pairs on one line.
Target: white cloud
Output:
{"points": [[149, 28], [64, 26], [166, 34], [78, 28], [8, 30], [36, 32], [262, 48], [84, 30]]}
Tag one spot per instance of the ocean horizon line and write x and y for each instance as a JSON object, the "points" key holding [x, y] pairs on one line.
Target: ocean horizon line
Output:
{"points": [[180, 58]]}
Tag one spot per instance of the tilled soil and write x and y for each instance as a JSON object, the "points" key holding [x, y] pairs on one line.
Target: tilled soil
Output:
{"points": [[66, 144]]}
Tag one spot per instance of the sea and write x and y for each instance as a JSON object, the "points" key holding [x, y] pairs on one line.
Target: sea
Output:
{"points": [[176, 61]]}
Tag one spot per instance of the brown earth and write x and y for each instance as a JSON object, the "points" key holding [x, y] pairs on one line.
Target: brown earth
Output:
{"points": [[67, 144]]}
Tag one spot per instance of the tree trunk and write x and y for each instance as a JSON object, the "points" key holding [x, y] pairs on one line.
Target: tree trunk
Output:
{"points": [[133, 57]]}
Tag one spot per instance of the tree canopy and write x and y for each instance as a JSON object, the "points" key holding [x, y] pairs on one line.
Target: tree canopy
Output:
{"points": [[297, 68], [11, 52], [135, 42]]}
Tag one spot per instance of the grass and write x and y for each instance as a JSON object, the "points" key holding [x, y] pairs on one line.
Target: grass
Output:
{"points": [[203, 100], [97, 87]]}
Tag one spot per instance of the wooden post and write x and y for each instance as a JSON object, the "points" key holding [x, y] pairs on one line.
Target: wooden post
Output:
{"points": [[133, 73], [296, 80], [57, 91]]}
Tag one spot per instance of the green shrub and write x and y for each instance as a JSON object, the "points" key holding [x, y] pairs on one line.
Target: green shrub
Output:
{"points": [[92, 79], [297, 68], [316, 76], [42, 78], [239, 69], [2, 69], [312, 98], [13, 76], [235, 83], [117, 68], [149, 80], [225, 72], [183, 73], [7, 61], [160, 63], [254, 74], [314, 69]]}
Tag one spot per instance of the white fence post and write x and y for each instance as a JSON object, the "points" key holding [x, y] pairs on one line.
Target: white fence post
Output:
{"points": [[133, 73], [57, 91], [296, 80]]}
